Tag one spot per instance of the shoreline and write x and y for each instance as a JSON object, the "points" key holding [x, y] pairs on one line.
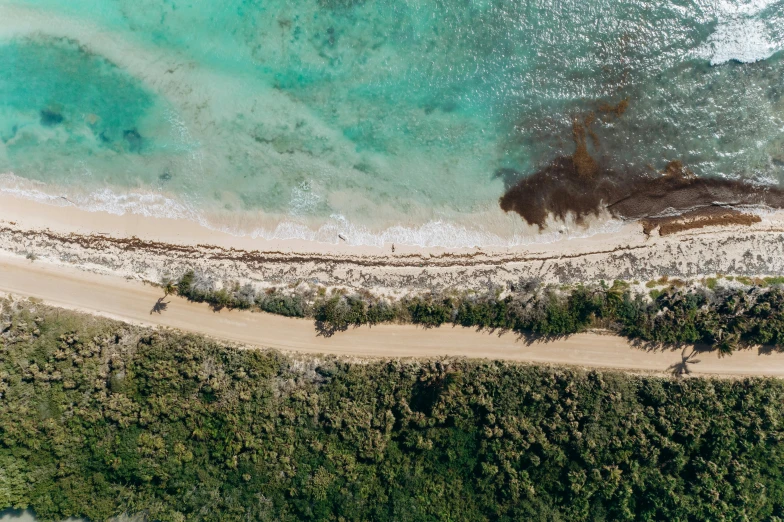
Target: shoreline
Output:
{"points": [[149, 248], [128, 301], [491, 228]]}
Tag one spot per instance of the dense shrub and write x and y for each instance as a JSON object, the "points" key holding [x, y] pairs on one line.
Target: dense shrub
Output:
{"points": [[430, 311], [339, 311], [281, 304]]}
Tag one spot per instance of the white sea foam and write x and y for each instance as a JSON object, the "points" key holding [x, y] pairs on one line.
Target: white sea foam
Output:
{"points": [[105, 200], [744, 40], [743, 7], [433, 234], [742, 34], [304, 199]]}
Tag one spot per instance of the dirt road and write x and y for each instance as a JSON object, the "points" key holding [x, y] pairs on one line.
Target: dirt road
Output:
{"points": [[133, 301]]}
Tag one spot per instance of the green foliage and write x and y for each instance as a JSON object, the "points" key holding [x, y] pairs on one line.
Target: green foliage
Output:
{"points": [[281, 304], [430, 311], [98, 418], [339, 311], [713, 315]]}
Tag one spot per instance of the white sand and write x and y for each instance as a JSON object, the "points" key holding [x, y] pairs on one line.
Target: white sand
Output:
{"points": [[97, 262], [98, 241]]}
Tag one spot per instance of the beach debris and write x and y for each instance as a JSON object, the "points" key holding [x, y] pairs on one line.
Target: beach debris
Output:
{"points": [[341, 236]]}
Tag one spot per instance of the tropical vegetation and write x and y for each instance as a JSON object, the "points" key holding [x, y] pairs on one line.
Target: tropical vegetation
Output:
{"points": [[99, 417]]}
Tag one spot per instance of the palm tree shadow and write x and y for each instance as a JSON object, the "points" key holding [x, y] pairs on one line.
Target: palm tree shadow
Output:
{"points": [[681, 369], [159, 306]]}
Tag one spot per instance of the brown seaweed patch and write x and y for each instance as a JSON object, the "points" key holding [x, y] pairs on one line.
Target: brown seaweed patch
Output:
{"points": [[617, 109], [560, 189], [678, 191], [580, 186], [583, 161]]}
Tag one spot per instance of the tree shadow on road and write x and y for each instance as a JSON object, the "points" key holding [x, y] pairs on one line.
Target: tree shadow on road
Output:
{"points": [[160, 306], [682, 369], [326, 329]]}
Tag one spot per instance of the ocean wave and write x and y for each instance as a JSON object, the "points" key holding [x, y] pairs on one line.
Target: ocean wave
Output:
{"points": [[104, 200], [433, 234]]}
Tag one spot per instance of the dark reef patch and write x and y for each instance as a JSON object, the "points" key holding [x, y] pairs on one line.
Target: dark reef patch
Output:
{"points": [[339, 4], [134, 140], [50, 118]]}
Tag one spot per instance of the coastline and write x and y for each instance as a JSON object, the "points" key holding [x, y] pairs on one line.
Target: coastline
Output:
{"points": [[150, 248]]}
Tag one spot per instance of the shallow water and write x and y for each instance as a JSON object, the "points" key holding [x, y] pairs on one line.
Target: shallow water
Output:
{"points": [[394, 120]]}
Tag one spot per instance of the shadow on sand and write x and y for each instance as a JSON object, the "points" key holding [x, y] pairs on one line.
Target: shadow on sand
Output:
{"points": [[160, 306]]}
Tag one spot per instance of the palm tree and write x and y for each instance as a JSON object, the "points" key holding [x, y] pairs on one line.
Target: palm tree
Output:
{"points": [[169, 287], [727, 345]]}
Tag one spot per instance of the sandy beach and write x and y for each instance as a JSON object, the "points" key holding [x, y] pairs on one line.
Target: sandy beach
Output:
{"points": [[148, 248]]}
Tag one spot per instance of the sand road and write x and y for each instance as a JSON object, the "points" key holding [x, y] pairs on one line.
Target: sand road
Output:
{"points": [[132, 301]]}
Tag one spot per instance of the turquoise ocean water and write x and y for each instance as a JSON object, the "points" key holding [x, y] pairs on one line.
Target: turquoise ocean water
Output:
{"points": [[383, 120]]}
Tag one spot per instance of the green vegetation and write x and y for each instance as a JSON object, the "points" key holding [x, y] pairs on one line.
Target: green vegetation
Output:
{"points": [[99, 417], [711, 314]]}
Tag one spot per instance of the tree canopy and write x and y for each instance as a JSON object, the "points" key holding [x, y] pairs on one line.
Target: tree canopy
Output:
{"points": [[98, 417]]}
